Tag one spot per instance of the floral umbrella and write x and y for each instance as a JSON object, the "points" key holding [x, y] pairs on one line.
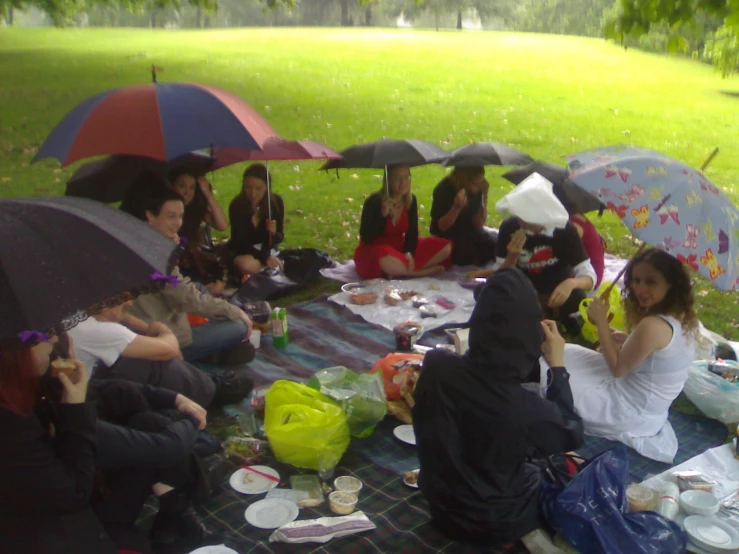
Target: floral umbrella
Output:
{"points": [[666, 204]]}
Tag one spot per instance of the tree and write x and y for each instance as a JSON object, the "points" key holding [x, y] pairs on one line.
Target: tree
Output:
{"points": [[8, 7]]}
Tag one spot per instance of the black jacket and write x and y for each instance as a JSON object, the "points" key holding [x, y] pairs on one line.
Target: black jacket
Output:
{"points": [[244, 235], [45, 484], [476, 427], [373, 222]]}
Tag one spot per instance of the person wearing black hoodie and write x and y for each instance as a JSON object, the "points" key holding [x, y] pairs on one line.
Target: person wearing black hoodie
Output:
{"points": [[477, 428]]}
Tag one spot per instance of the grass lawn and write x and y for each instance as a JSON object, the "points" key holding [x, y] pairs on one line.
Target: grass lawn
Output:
{"points": [[547, 95]]}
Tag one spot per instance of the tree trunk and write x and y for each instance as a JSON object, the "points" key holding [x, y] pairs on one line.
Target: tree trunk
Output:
{"points": [[11, 15], [345, 13], [206, 21], [436, 18], [368, 16], [459, 19], [153, 18], [199, 17]]}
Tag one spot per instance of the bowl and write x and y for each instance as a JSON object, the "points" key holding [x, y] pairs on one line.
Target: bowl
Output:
{"points": [[348, 484], [700, 503], [352, 287], [342, 503]]}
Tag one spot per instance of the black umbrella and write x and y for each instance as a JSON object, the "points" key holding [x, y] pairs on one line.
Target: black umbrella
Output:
{"points": [[60, 255], [576, 200], [486, 153], [108, 179], [387, 152]]}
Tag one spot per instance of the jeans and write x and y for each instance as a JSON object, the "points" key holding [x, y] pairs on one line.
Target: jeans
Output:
{"points": [[213, 337]]}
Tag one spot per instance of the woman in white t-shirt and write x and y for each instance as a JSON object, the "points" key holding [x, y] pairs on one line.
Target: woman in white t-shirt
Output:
{"points": [[624, 392]]}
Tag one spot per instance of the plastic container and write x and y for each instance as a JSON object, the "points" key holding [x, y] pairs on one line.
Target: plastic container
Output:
{"points": [[307, 490], [259, 312], [668, 504], [279, 327], [640, 498], [348, 484], [342, 503], [699, 503]]}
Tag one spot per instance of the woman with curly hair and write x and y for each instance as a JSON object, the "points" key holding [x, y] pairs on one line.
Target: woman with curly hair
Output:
{"points": [[624, 391]]}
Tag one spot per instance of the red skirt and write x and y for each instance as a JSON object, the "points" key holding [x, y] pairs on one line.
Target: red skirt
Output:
{"points": [[367, 256]]}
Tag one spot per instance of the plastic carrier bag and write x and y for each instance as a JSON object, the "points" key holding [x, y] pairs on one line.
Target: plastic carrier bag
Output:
{"points": [[361, 396], [712, 394], [301, 424]]}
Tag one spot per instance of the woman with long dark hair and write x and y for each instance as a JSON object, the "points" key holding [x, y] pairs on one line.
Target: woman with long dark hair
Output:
{"points": [[624, 391], [257, 222]]}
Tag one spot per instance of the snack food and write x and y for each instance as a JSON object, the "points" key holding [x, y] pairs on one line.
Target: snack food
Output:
{"points": [[411, 477], [693, 480], [392, 297], [428, 311], [248, 477], [61, 365], [406, 294], [363, 298], [419, 301]]}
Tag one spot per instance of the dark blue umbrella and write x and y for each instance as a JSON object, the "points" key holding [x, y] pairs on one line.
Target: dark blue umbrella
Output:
{"points": [[156, 120]]}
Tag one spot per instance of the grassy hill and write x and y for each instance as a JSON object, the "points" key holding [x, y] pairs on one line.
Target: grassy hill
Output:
{"points": [[547, 95]]}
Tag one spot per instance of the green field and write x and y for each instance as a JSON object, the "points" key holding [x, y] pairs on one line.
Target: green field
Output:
{"points": [[547, 95]]}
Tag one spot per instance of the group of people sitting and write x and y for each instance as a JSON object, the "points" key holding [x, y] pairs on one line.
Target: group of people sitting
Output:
{"points": [[81, 454]]}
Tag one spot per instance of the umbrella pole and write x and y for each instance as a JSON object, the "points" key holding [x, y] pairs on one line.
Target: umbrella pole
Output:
{"points": [[709, 159], [607, 292], [387, 183], [269, 203]]}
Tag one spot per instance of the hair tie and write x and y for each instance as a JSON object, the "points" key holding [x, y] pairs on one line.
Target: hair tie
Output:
{"points": [[169, 279]]}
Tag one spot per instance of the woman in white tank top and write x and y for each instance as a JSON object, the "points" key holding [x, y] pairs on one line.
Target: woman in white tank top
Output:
{"points": [[625, 391]]}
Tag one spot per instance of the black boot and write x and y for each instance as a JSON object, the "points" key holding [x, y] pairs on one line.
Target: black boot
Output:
{"points": [[231, 387], [178, 528], [241, 354]]}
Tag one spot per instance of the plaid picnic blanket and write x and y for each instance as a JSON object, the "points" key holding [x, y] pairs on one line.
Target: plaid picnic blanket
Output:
{"points": [[322, 335]]}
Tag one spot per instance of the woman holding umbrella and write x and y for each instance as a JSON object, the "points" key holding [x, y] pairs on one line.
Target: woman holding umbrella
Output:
{"points": [[624, 391], [458, 213], [388, 231], [257, 222]]}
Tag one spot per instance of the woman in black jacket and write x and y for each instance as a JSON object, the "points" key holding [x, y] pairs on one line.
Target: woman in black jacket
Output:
{"points": [[477, 427], [46, 469], [257, 225], [389, 243]]}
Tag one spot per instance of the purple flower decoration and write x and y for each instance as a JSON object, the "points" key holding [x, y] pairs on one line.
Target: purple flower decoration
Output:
{"points": [[26, 336], [169, 279]]}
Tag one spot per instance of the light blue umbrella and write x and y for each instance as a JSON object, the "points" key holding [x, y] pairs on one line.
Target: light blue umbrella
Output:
{"points": [[667, 204]]}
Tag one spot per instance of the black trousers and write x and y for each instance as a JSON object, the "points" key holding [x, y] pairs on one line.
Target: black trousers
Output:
{"points": [[563, 313]]}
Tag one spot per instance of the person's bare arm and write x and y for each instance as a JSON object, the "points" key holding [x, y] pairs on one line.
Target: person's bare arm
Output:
{"points": [[215, 216], [159, 344]]}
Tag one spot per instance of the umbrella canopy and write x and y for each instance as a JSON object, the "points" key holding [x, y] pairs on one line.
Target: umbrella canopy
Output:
{"points": [[486, 153], [573, 198], [61, 255], [157, 120], [387, 152], [274, 149], [666, 204], [107, 180]]}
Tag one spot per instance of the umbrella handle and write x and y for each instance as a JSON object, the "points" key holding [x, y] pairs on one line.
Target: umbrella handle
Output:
{"points": [[709, 158], [607, 292]]}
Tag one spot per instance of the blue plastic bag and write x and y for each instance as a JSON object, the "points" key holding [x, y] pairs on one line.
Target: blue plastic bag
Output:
{"points": [[592, 512]]}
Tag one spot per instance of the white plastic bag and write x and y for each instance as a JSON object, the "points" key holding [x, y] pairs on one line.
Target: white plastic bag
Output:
{"points": [[715, 396], [534, 202]]}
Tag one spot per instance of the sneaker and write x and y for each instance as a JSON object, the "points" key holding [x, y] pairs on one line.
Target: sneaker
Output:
{"points": [[231, 387], [179, 528]]}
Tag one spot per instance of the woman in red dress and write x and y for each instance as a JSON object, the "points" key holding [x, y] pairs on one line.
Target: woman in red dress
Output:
{"points": [[389, 244]]}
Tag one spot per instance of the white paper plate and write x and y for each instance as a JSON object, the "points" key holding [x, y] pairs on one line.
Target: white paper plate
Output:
{"points": [[271, 513], [218, 549], [712, 534], [258, 485], [405, 433], [408, 483]]}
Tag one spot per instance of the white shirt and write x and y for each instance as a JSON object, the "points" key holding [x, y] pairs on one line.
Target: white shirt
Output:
{"points": [[100, 341]]}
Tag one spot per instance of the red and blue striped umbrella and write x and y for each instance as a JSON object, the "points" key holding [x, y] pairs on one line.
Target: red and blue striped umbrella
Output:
{"points": [[156, 120]]}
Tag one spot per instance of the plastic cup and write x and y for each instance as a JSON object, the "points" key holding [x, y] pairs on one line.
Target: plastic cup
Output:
{"points": [[640, 497], [342, 503], [255, 337], [348, 484]]}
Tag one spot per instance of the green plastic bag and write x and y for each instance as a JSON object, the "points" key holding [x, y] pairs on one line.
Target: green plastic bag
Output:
{"points": [[361, 396], [301, 424]]}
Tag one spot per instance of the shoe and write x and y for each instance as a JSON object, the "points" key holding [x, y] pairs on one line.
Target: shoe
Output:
{"points": [[178, 528], [231, 387], [242, 353]]}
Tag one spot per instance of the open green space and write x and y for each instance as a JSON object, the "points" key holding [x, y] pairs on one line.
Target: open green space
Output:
{"points": [[547, 95]]}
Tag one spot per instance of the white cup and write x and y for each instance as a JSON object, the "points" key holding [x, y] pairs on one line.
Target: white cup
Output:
{"points": [[255, 337]]}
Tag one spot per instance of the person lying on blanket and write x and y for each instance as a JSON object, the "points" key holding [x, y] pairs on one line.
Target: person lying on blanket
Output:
{"points": [[539, 239], [624, 391], [476, 426], [113, 344], [389, 244], [227, 330]]}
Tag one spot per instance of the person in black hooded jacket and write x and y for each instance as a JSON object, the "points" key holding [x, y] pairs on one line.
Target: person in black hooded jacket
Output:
{"points": [[477, 427]]}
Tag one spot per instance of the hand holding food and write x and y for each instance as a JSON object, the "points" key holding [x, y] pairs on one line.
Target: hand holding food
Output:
{"points": [[75, 384], [554, 345], [517, 242], [460, 199]]}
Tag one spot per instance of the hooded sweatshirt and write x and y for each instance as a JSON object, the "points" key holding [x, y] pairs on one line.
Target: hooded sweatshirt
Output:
{"points": [[476, 426]]}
